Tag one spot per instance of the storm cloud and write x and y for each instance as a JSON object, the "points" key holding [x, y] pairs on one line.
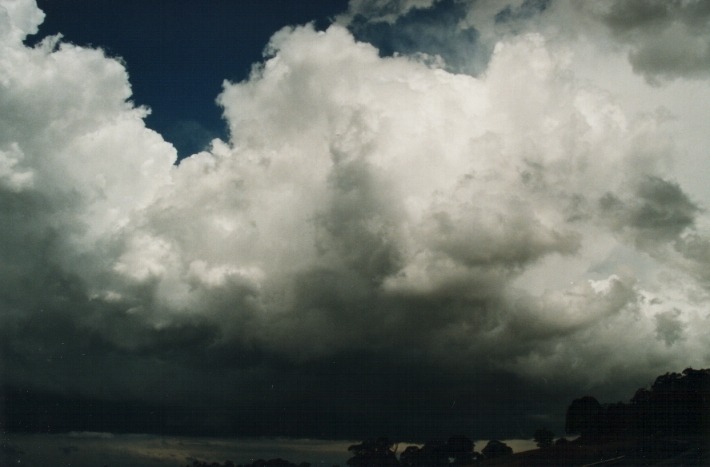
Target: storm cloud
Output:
{"points": [[379, 241], [667, 39]]}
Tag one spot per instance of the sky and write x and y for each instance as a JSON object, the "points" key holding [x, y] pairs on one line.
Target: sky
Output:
{"points": [[410, 218], [177, 54]]}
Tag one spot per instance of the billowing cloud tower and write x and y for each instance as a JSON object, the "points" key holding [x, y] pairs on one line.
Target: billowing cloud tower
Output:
{"points": [[380, 239]]}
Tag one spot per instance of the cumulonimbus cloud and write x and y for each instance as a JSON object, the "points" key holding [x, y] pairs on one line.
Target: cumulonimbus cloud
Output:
{"points": [[362, 205]]}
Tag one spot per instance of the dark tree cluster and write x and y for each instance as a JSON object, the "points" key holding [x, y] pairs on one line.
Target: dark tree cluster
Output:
{"points": [[457, 450], [496, 448], [543, 438], [676, 404], [373, 452]]}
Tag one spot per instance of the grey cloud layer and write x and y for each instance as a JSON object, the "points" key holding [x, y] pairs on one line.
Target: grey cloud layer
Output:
{"points": [[667, 39], [366, 239]]}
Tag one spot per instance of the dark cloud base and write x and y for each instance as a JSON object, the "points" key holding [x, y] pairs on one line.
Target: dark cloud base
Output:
{"points": [[311, 401], [354, 404]]}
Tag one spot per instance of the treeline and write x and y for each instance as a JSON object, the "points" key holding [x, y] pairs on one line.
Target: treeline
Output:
{"points": [[457, 450], [676, 404], [382, 452]]}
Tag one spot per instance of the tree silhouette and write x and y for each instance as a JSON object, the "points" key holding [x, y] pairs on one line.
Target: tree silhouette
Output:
{"points": [[410, 457], [496, 448], [432, 454], [583, 417], [543, 438], [561, 441], [677, 403], [617, 419], [373, 453], [460, 448]]}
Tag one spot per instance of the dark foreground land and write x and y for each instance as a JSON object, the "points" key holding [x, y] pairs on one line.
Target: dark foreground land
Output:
{"points": [[686, 451]]}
